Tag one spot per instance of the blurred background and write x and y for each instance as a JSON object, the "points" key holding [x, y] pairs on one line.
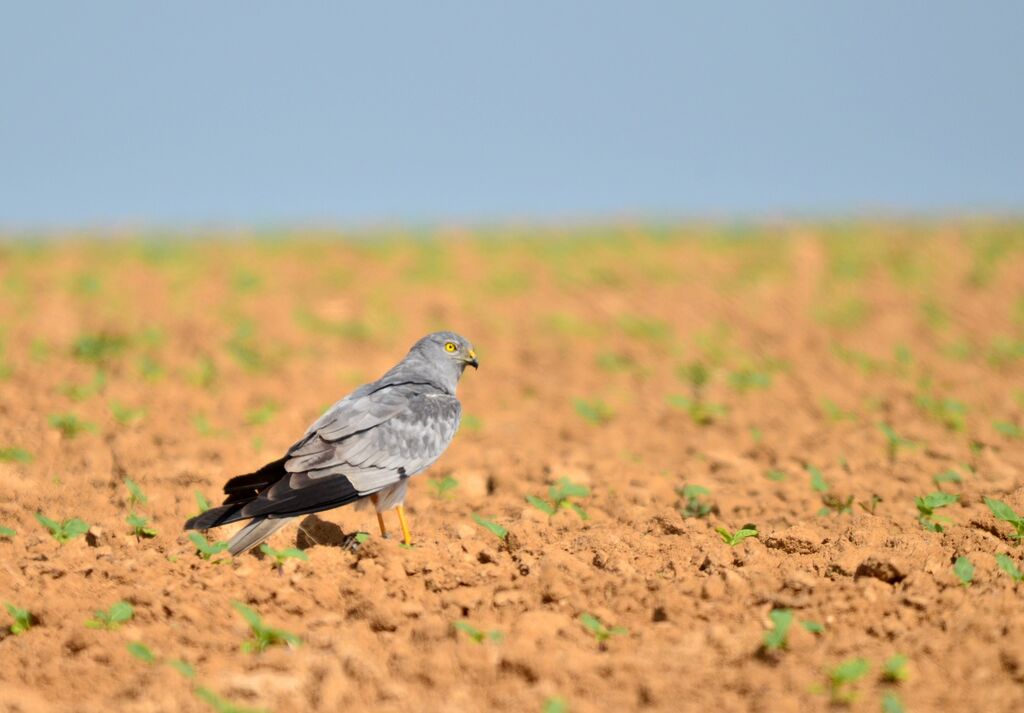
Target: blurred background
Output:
{"points": [[351, 114]]}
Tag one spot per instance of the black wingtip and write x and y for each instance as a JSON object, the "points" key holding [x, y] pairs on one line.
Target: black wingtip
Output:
{"points": [[214, 517]]}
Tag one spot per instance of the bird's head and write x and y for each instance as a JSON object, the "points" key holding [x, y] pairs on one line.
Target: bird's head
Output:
{"points": [[447, 351]]}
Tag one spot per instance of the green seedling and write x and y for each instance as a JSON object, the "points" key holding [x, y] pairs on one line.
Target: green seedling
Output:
{"points": [[205, 549], [1004, 512], [203, 426], [817, 479], [15, 455], [601, 632], [812, 626], [834, 413], [491, 526], [81, 392], [140, 526], [734, 538], [141, 652], [442, 487], [69, 424], [869, 506], [1009, 566], [946, 476], [700, 412], [949, 412], [110, 620], [776, 638], [595, 412], [694, 503], [894, 441], [747, 379], [22, 618], [775, 474], [183, 667], [697, 375], [964, 570], [840, 680], [149, 368], [926, 507], [7, 532], [894, 670], [223, 705], [477, 635], [201, 502], [1010, 430], [834, 503], [261, 415], [263, 635], [361, 537], [125, 415], [98, 348], [891, 703], [555, 705], [471, 422], [282, 556], [135, 494], [561, 494], [63, 531]]}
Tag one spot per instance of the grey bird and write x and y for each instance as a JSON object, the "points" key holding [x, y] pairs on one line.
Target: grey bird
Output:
{"points": [[363, 449]]}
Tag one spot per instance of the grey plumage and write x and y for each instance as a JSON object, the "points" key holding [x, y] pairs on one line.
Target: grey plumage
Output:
{"points": [[368, 443]]}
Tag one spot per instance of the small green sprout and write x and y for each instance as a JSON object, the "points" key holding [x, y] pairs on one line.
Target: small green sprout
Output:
{"points": [[775, 474], [560, 494], [183, 667], [946, 476], [700, 412], [491, 526], [555, 705], [817, 479], [442, 487], [894, 670], [135, 494], [891, 703], [812, 626], [203, 426], [141, 652], [98, 348], [1010, 430], [281, 556], [22, 618], [205, 549], [1009, 566], [964, 570], [125, 415], [776, 638], [263, 635], [840, 680], [747, 379], [834, 503], [110, 620], [894, 441], [926, 507], [471, 422], [7, 531], [362, 537], [734, 538], [63, 531], [869, 506], [13, 454], [477, 635], [261, 415], [695, 506], [596, 412], [69, 424], [222, 705], [140, 526], [601, 632], [201, 502], [834, 413], [1004, 512]]}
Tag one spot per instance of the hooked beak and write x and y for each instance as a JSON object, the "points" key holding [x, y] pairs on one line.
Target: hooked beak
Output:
{"points": [[472, 360]]}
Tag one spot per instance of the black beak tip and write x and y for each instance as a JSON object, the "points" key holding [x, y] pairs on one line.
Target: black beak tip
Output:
{"points": [[474, 363]]}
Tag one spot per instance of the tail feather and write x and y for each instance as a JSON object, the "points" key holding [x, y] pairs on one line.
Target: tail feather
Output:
{"points": [[254, 533], [215, 517]]}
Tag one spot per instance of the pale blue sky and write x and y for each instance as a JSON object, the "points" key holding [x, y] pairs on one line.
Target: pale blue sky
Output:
{"points": [[252, 113]]}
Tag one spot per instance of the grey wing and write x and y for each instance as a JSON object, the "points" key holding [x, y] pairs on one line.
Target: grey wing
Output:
{"points": [[418, 427]]}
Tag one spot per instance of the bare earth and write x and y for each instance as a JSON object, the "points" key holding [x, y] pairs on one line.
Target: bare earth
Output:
{"points": [[810, 338]]}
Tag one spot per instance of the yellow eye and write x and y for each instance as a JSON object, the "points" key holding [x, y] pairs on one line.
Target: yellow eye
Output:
{"points": [[450, 346]]}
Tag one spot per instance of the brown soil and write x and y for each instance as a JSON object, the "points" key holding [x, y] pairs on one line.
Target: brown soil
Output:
{"points": [[833, 331]]}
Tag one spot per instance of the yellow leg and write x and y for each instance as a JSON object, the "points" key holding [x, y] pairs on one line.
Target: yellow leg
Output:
{"points": [[405, 526], [380, 518]]}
